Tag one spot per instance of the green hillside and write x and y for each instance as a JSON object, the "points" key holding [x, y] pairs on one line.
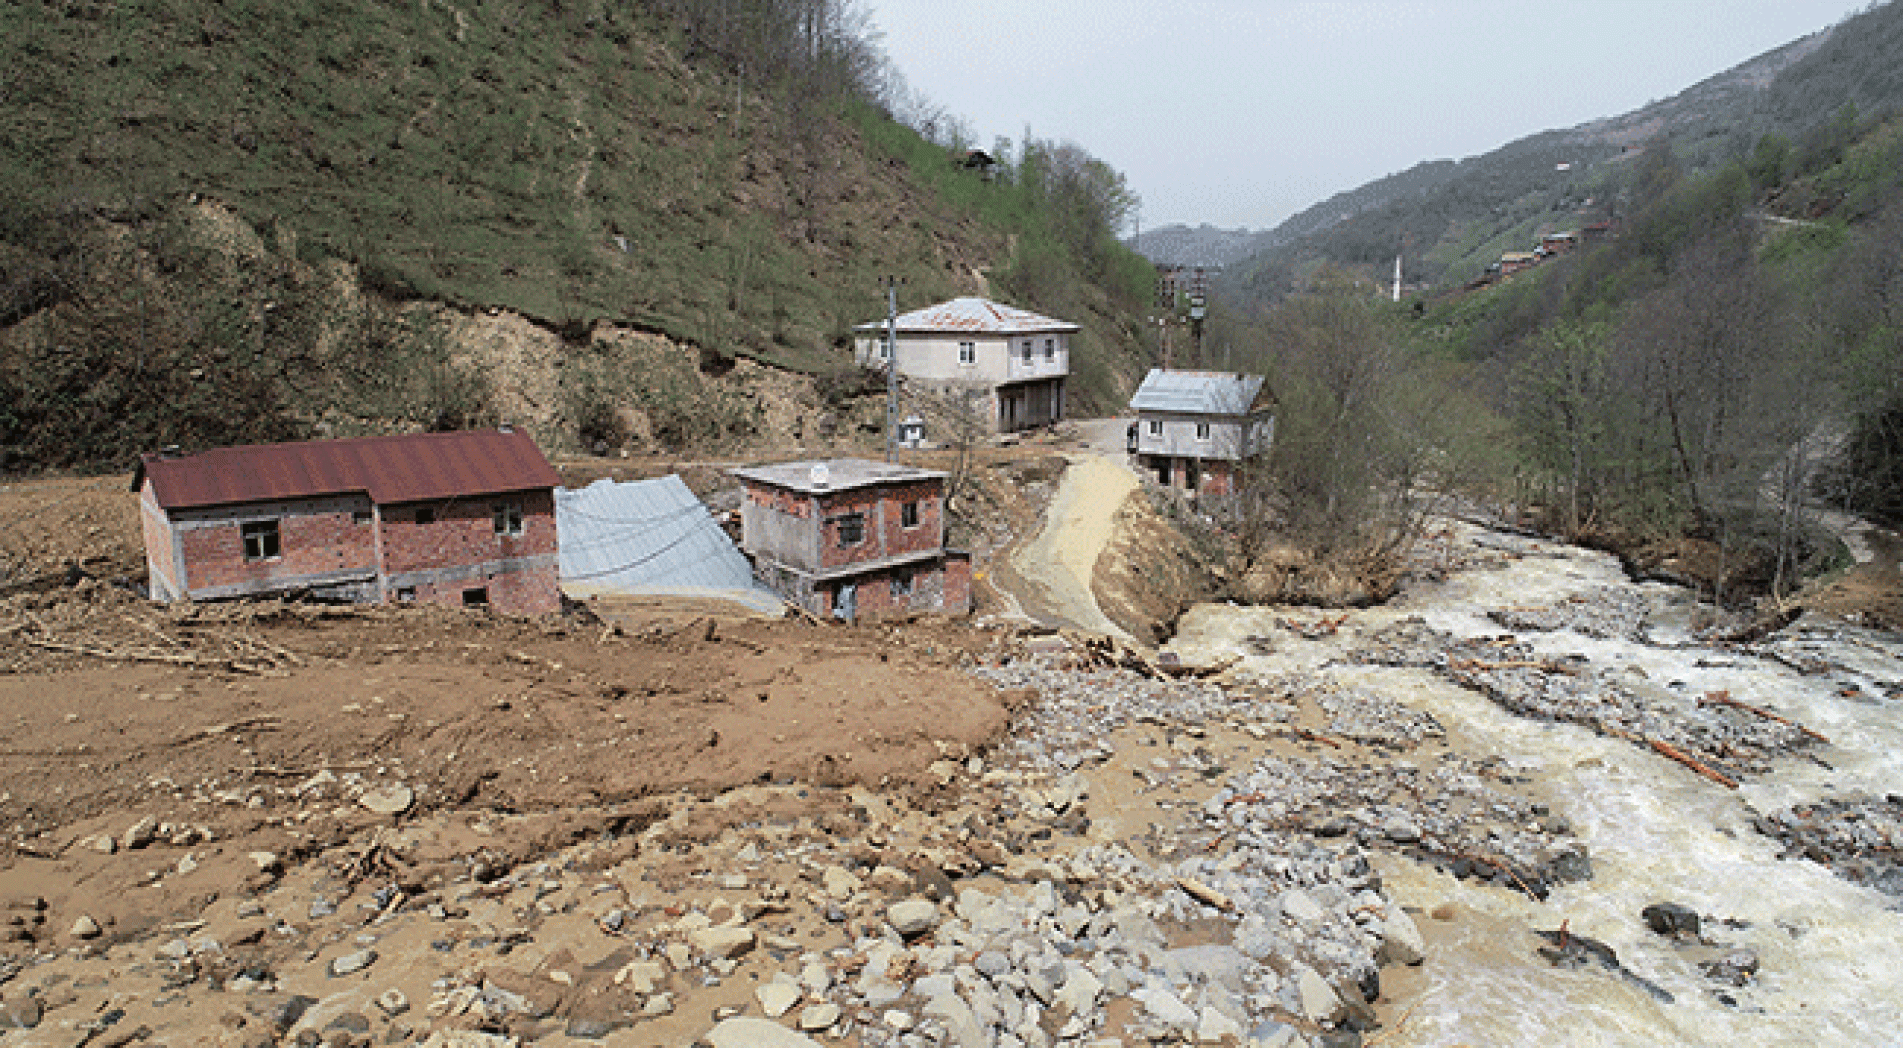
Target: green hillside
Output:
{"points": [[270, 194]]}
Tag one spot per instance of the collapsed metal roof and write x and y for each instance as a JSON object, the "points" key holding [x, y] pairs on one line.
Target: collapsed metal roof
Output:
{"points": [[975, 315], [651, 537], [1198, 392], [412, 467]]}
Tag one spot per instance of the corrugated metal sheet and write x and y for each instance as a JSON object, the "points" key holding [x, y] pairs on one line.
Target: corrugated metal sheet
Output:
{"points": [[979, 315], [409, 468], [840, 474], [650, 536], [1197, 392]]}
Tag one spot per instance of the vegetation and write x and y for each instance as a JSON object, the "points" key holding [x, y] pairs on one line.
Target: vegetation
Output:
{"points": [[291, 203]]}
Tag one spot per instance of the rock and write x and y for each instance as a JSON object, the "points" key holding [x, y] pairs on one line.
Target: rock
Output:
{"points": [[841, 883], [642, 977], [350, 1022], [659, 1004], [1318, 1001], [142, 833], [392, 1002], [1273, 1034], [1401, 941], [1213, 1027], [1297, 906], [962, 1027], [743, 1031], [390, 800], [85, 928], [1669, 918], [1206, 895], [819, 1016], [22, 1014], [723, 942], [102, 843], [1737, 968], [353, 962], [266, 862], [776, 998], [912, 917], [1166, 1007]]}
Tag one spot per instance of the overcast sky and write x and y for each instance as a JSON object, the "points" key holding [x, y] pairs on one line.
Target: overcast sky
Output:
{"points": [[1243, 112]]}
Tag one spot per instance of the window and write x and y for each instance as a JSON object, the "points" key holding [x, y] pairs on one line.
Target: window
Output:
{"points": [[908, 514], [426, 515], [406, 594], [476, 598], [1050, 349], [360, 516], [1202, 431], [260, 539], [902, 584], [885, 350], [507, 517], [1026, 351], [967, 352], [1156, 427], [852, 529]]}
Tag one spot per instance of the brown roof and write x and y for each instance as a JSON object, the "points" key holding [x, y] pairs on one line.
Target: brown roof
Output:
{"points": [[409, 468]]}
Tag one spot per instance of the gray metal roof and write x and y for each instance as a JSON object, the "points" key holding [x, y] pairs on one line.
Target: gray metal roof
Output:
{"points": [[650, 536], [974, 315], [820, 476], [1197, 392]]}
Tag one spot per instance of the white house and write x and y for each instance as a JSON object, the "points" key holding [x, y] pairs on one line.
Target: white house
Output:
{"points": [[1195, 428], [1019, 358]]}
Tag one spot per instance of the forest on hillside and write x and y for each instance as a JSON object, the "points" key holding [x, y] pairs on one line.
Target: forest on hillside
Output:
{"points": [[1733, 349]]}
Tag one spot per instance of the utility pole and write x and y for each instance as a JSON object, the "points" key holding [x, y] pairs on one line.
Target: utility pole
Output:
{"points": [[891, 285]]}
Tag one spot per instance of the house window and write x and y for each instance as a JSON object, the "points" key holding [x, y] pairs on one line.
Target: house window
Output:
{"points": [[852, 529], [260, 539], [967, 352], [1050, 349], [426, 515], [902, 584], [1156, 427], [477, 597], [1202, 431], [507, 517], [908, 514], [360, 516], [406, 594], [1026, 352]]}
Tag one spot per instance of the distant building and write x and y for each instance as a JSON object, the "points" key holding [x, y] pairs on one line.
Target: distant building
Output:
{"points": [[851, 539], [1194, 429], [1018, 359], [1512, 262], [452, 518], [1558, 243]]}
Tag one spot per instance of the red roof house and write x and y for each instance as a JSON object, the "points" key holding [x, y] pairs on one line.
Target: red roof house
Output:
{"points": [[455, 518]]}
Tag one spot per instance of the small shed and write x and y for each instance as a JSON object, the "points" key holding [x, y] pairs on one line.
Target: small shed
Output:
{"points": [[651, 537]]}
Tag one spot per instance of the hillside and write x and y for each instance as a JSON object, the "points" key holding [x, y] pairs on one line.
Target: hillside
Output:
{"points": [[1457, 216], [345, 215]]}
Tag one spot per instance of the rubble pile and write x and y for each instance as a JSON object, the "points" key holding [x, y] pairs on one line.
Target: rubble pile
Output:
{"points": [[1712, 734], [1860, 838], [1609, 613]]}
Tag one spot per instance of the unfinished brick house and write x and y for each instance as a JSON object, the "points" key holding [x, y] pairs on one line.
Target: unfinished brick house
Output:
{"points": [[853, 539], [451, 518]]}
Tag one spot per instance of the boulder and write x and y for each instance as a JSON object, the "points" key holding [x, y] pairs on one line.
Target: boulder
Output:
{"points": [[1401, 941], [912, 917], [1669, 918], [745, 1031]]}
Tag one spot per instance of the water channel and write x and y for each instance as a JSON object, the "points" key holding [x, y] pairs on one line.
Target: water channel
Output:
{"points": [[1831, 951]]}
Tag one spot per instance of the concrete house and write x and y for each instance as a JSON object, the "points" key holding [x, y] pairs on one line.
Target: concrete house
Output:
{"points": [[1018, 358], [851, 539], [453, 518], [1194, 429]]}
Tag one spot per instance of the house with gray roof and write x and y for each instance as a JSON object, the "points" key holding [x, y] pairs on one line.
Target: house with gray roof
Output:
{"points": [[1018, 359], [1195, 429]]}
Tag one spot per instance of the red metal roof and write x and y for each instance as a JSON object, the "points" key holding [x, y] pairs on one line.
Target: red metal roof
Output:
{"points": [[409, 468]]}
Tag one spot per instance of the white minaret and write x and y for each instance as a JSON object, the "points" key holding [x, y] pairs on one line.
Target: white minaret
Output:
{"points": [[1397, 278]]}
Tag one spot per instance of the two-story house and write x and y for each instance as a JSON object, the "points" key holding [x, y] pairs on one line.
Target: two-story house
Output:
{"points": [[1195, 429], [1019, 359], [453, 518], [850, 538]]}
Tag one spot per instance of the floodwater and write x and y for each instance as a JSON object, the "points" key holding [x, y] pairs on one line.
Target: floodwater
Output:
{"points": [[1831, 951]]}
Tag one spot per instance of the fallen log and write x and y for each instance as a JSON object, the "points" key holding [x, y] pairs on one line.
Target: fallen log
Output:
{"points": [[1666, 749], [1719, 698]]}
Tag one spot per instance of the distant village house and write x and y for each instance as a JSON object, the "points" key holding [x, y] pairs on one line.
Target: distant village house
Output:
{"points": [[1017, 359], [852, 539], [1195, 429], [451, 518]]}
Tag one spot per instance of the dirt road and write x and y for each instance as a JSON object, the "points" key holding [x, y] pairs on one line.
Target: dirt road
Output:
{"points": [[1054, 568]]}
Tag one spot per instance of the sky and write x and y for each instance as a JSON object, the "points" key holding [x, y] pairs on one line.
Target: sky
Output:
{"points": [[1239, 113]]}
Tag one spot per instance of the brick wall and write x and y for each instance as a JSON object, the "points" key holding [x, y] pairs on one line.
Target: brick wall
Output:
{"points": [[884, 536], [531, 592], [315, 538], [463, 532], [160, 567]]}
